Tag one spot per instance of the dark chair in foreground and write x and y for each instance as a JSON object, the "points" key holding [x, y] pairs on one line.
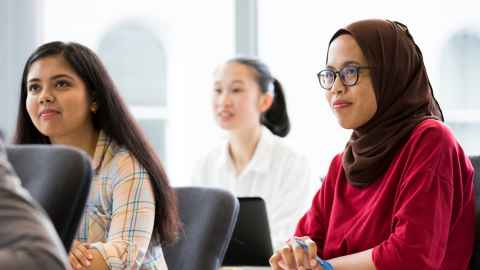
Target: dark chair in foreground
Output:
{"points": [[208, 217], [475, 263], [58, 178]]}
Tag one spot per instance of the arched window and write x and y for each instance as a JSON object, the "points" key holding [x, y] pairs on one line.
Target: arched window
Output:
{"points": [[459, 92], [136, 60]]}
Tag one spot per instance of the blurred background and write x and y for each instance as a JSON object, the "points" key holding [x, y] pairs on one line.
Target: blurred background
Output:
{"points": [[162, 55]]}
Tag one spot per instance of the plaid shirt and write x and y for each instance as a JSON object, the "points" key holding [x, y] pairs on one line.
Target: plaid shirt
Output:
{"points": [[120, 212]]}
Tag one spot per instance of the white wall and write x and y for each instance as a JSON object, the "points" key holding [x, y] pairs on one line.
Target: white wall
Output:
{"points": [[196, 38], [293, 38], [20, 23]]}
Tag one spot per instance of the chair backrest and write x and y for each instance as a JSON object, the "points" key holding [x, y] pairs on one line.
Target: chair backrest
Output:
{"points": [[58, 178], [475, 262], [208, 216]]}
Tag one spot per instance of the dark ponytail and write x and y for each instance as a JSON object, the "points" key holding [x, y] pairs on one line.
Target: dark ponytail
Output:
{"points": [[276, 117]]}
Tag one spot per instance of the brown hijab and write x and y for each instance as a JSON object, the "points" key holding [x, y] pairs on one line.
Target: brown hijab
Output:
{"points": [[403, 93]]}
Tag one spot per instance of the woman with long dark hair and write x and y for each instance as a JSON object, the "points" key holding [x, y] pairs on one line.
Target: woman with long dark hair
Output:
{"points": [[249, 103], [67, 97], [400, 195]]}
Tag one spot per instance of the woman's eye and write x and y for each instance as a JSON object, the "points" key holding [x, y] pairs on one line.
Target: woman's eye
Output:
{"points": [[217, 90], [329, 76], [236, 90], [62, 84], [349, 71], [33, 88]]}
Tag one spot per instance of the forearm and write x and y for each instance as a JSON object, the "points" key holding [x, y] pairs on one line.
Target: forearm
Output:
{"points": [[357, 261], [118, 254]]}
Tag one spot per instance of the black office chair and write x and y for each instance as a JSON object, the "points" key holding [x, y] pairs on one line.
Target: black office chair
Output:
{"points": [[208, 216], [475, 263], [58, 178]]}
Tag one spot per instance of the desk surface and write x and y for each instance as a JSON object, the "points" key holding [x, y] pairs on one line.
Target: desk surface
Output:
{"points": [[245, 268]]}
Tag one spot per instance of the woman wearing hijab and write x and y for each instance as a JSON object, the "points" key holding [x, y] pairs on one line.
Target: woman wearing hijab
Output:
{"points": [[400, 195]]}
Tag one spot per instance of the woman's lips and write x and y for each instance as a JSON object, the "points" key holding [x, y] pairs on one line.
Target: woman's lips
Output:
{"points": [[340, 104], [48, 113], [225, 116]]}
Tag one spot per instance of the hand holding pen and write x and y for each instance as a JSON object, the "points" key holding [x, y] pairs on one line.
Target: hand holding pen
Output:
{"points": [[299, 253]]}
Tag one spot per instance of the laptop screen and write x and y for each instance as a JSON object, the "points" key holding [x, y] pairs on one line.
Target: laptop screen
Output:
{"points": [[251, 244]]}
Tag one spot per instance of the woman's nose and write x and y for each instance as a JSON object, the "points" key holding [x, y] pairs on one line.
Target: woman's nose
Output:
{"points": [[46, 97], [225, 100], [338, 86]]}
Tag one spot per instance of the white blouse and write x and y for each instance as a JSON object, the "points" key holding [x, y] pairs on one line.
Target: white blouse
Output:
{"points": [[275, 173]]}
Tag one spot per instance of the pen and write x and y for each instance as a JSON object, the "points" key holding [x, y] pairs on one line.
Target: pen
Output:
{"points": [[323, 263]]}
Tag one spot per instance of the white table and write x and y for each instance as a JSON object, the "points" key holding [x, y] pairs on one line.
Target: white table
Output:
{"points": [[245, 268]]}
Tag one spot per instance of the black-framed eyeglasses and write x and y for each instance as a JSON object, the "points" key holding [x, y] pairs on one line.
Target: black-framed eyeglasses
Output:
{"points": [[348, 75]]}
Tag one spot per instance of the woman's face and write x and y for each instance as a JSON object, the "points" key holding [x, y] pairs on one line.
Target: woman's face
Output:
{"points": [[237, 99], [353, 105], [57, 99]]}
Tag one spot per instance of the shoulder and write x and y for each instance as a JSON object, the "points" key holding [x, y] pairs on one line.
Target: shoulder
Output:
{"points": [[284, 163], [280, 148], [433, 127], [432, 148], [431, 134], [121, 163], [286, 160], [8, 177]]}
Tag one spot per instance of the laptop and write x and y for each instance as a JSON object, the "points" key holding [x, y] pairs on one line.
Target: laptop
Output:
{"points": [[251, 244]]}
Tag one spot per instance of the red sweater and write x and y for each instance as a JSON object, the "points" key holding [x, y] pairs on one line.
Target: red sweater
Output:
{"points": [[419, 215]]}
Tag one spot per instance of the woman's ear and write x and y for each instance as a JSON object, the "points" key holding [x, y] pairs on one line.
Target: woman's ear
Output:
{"points": [[93, 107], [265, 102]]}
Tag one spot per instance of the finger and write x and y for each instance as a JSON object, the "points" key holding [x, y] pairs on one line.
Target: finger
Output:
{"points": [[275, 260], [84, 249], [287, 257], [312, 251], [74, 262], [74, 245], [283, 265], [81, 257], [299, 253]]}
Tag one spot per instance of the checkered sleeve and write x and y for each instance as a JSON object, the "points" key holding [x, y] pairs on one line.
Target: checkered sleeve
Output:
{"points": [[133, 214]]}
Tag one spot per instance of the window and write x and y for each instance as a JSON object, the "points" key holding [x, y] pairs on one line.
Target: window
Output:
{"points": [[136, 60], [459, 93]]}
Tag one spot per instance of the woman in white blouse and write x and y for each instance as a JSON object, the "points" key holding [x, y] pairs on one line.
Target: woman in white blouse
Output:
{"points": [[254, 161]]}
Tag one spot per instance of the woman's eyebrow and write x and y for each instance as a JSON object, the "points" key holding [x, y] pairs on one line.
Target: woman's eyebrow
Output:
{"points": [[33, 80], [52, 78], [344, 64], [61, 76], [237, 81]]}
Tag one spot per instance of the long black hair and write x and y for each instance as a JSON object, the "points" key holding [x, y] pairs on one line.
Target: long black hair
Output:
{"points": [[276, 117], [113, 117]]}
